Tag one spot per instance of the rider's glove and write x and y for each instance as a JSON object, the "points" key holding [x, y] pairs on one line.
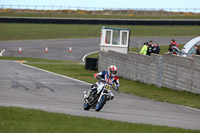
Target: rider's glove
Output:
{"points": [[103, 80], [98, 77]]}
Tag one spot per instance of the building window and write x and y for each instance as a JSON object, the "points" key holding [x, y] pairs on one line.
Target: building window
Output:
{"points": [[108, 36]]}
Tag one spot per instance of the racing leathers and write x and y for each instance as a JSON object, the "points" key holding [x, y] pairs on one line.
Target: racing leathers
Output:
{"points": [[104, 75]]}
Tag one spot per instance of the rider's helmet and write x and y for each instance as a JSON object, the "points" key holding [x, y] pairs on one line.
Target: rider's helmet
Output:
{"points": [[112, 70]]}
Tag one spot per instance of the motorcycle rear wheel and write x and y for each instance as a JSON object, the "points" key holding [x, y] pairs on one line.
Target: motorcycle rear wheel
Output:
{"points": [[86, 106]]}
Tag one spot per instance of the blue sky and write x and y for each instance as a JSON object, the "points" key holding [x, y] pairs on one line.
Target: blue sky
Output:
{"points": [[109, 3]]}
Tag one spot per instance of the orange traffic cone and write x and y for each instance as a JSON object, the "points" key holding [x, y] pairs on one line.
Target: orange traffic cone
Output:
{"points": [[70, 49], [20, 50], [46, 50]]}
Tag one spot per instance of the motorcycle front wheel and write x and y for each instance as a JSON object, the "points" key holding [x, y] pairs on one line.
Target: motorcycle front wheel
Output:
{"points": [[101, 103]]}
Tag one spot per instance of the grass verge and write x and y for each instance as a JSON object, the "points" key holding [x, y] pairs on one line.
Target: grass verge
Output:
{"points": [[19, 120], [35, 60], [56, 31]]}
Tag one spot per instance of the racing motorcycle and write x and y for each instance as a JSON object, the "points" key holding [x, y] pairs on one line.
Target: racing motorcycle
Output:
{"points": [[177, 51], [97, 98]]}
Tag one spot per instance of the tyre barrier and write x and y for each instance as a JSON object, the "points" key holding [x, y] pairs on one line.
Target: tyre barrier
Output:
{"points": [[91, 64], [36, 20]]}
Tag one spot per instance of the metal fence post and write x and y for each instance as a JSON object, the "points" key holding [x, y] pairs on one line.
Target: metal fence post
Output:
{"points": [[136, 11], [139, 46], [160, 71], [153, 12], [68, 11]]}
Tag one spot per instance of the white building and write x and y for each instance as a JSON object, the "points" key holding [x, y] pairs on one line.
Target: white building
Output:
{"points": [[115, 39]]}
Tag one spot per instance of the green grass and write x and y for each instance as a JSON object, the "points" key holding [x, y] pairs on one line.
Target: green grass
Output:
{"points": [[35, 60], [19, 120], [94, 55], [56, 31]]}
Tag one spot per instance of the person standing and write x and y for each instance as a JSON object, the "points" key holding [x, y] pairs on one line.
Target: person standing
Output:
{"points": [[198, 50], [173, 43], [195, 49], [156, 49], [150, 48], [144, 49]]}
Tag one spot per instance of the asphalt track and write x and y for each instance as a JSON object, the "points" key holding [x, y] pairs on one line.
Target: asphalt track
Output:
{"points": [[24, 86], [59, 49]]}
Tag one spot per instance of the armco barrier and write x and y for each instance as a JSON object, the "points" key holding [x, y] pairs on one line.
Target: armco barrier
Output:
{"points": [[38, 20], [175, 72]]}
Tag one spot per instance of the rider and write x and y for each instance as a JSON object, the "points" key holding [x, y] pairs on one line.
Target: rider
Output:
{"points": [[110, 76]]}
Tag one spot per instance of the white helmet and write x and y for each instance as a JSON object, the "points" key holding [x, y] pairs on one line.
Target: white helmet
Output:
{"points": [[112, 70]]}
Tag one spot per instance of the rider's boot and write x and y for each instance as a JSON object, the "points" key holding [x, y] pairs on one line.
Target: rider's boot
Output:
{"points": [[85, 96], [91, 91], [110, 96]]}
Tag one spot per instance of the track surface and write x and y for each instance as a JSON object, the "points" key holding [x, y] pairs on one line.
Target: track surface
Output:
{"points": [[59, 49], [23, 86]]}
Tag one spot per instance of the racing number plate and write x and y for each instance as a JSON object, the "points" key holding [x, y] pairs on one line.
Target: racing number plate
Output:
{"points": [[108, 87]]}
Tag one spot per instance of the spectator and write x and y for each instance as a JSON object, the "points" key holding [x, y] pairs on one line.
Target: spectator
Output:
{"points": [[149, 50], [198, 50], [144, 49], [173, 43], [156, 49]]}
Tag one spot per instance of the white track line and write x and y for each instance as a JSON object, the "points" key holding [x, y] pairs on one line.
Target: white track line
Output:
{"points": [[1, 54], [194, 109], [83, 59], [56, 74]]}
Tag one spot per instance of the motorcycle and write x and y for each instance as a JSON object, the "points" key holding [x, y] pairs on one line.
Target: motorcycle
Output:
{"points": [[97, 98], [177, 51]]}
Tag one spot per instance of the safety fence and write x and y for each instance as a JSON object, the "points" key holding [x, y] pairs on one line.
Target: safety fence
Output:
{"points": [[171, 71]]}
